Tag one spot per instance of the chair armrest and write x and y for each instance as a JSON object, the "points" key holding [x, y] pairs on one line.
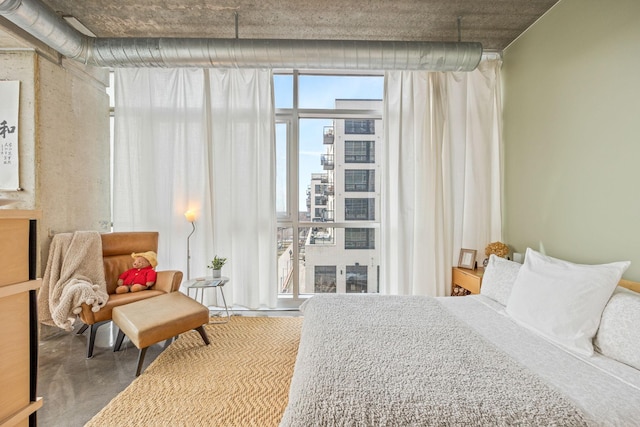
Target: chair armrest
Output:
{"points": [[87, 314], [168, 280]]}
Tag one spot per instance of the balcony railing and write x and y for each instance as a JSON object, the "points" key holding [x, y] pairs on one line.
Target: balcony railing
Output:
{"points": [[328, 135], [326, 160], [328, 215], [328, 190], [321, 236]]}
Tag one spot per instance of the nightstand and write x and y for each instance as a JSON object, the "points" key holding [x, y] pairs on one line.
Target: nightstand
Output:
{"points": [[470, 280]]}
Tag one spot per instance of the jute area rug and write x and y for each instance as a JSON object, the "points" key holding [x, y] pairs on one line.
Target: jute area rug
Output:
{"points": [[241, 379]]}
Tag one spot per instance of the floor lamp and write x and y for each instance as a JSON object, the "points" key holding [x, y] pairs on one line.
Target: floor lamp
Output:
{"points": [[191, 217]]}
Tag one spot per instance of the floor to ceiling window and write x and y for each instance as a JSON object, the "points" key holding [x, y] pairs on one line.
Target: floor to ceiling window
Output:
{"points": [[328, 130], [328, 144]]}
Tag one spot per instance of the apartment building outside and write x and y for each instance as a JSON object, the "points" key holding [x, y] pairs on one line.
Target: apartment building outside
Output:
{"points": [[341, 253]]}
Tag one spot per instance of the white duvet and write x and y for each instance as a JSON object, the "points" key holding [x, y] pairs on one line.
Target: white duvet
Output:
{"points": [[384, 360]]}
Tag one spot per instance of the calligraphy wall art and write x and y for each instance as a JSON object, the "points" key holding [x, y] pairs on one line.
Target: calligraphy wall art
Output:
{"points": [[9, 107]]}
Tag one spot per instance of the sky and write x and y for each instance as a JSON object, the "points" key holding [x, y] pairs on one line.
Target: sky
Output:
{"points": [[319, 92]]}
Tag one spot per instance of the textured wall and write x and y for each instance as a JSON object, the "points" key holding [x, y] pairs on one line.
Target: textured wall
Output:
{"points": [[572, 134], [21, 66], [64, 144], [73, 176]]}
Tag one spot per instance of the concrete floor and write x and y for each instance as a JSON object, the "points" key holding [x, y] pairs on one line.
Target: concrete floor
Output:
{"points": [[74, 388]]}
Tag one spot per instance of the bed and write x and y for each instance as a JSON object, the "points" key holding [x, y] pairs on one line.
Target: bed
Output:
{"points": [[376, 360]]}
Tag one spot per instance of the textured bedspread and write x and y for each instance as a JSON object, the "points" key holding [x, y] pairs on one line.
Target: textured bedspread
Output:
{"points": [[372, 360]]}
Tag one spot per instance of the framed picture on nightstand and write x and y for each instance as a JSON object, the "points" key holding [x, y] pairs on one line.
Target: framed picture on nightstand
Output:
{"points": [[467, 258]]}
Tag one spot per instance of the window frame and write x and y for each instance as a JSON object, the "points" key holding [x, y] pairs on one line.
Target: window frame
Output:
{"points": [[357, 270], [359, 127], [369, 240], [292, 116], [364, 212], [370, 152], [366, 184], [331, 271]]}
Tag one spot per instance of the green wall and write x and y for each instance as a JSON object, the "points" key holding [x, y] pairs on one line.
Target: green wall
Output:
{"points": [[572, 134]]}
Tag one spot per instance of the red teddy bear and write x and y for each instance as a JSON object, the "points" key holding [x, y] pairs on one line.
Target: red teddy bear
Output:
{"points": [[142, 276]]}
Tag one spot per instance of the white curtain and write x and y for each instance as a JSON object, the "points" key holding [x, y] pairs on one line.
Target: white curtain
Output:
{"points": [[442, 173], [242, 174], [200, 140]]}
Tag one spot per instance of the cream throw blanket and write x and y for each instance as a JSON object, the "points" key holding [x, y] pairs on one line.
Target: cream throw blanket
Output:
{"points": [[391, 360], [74, 275]]}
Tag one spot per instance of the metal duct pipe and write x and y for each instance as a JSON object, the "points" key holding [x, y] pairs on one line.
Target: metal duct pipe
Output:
{"points": [[307, 54], [38, 20], [42, 23]]}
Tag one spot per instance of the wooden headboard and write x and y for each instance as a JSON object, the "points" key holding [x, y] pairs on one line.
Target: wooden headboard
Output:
{"points": [[634, 286]]}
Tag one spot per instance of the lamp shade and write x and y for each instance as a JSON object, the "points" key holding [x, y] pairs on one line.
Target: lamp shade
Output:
{"points": [[190, 215]]}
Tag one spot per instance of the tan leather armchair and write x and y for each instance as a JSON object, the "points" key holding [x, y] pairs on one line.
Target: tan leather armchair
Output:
{"points": [[116, 251]]}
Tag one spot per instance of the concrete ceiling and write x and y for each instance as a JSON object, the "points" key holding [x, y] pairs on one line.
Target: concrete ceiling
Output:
{"points": [[494, 23]]}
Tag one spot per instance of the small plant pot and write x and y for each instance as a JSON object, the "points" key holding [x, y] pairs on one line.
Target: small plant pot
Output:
{"points": [[215, 274]]}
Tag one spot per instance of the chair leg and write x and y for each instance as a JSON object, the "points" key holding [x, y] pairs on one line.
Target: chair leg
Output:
{"points": [[203, 334], [92, 337], [168, 342], [141, 355], [82, 329], [119, 339]]}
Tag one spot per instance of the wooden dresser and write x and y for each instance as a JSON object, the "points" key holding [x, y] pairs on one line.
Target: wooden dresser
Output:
{"points": [[471, 280], [18, 318]]}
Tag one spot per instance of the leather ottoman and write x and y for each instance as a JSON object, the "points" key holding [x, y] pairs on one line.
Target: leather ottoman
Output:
{"points": [[152, 320]]}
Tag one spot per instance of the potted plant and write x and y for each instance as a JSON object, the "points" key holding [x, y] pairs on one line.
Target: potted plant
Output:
{"points": [[216, 265]]}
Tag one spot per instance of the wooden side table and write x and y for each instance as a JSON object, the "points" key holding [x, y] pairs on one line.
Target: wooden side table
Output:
{"points": [[469, 280]]}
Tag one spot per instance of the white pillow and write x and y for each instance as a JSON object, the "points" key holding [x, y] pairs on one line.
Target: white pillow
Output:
{"points": [[619, 334], [498, 279], [561, 300]]}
